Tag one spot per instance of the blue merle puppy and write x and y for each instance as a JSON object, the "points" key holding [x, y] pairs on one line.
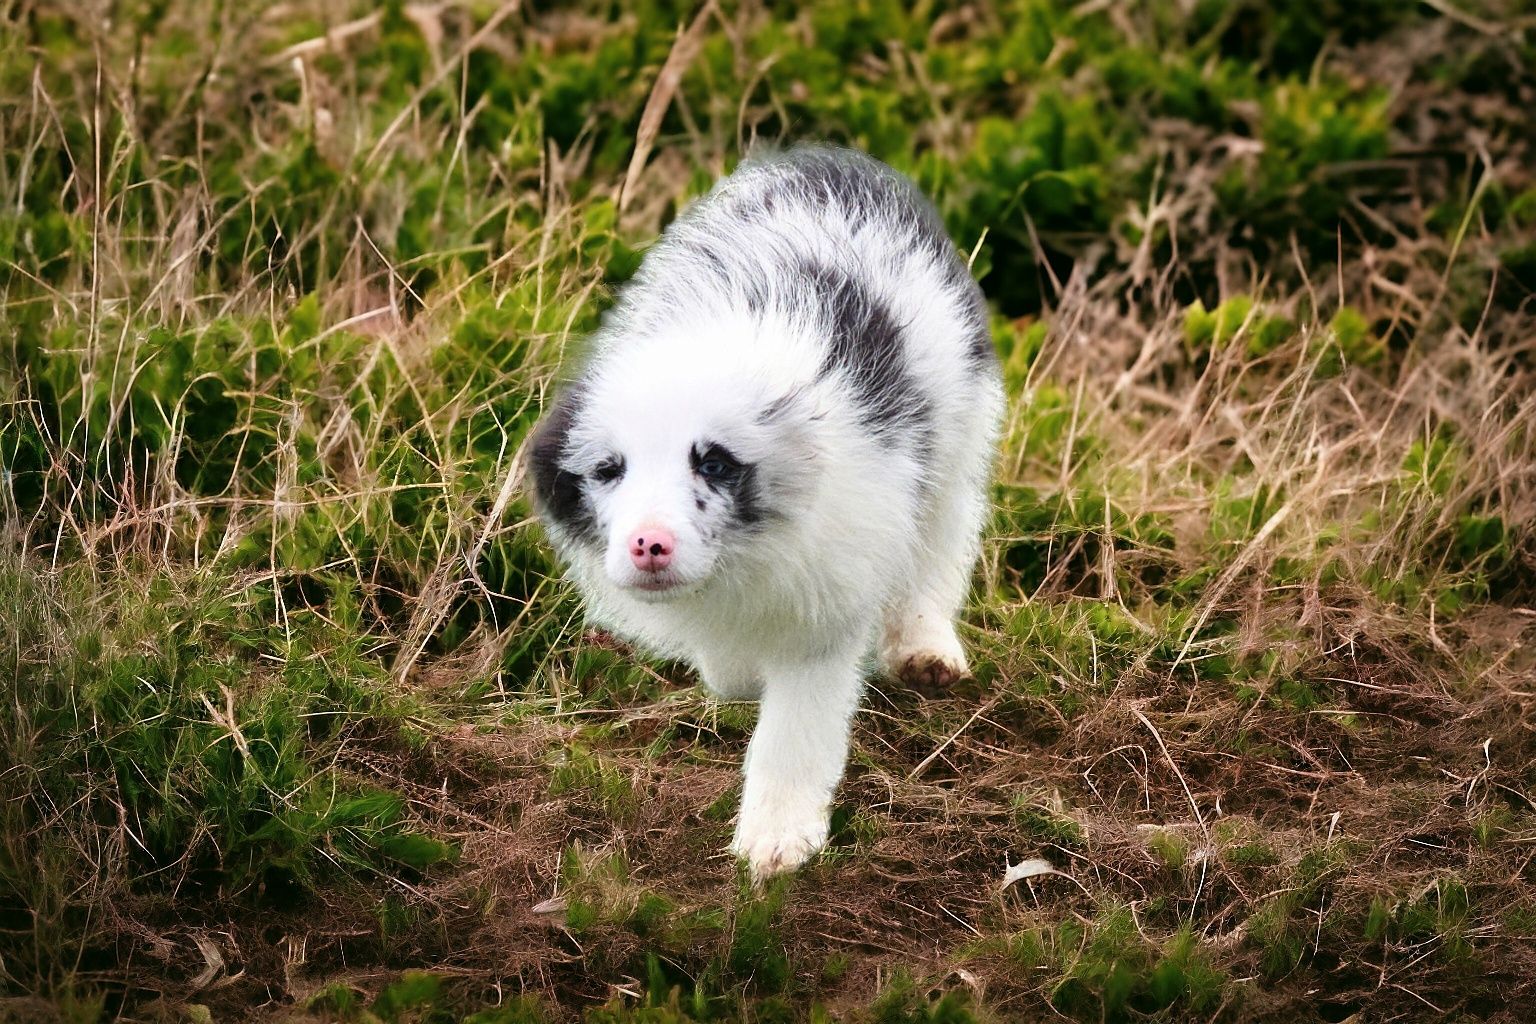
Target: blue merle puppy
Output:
{"points": [[775, 462]]}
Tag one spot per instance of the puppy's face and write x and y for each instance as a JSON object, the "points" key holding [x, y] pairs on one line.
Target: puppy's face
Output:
{"points": [[666, 480]]}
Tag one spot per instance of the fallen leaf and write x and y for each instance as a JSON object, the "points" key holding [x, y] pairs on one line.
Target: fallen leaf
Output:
{"points": [[1034, 867], [554, 905]]}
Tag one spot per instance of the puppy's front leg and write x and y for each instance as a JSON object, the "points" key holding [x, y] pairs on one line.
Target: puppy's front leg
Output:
{"points": [[794, 762]]}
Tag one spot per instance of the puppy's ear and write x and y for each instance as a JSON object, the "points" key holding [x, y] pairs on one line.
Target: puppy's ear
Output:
{"points": [[557, 493]]}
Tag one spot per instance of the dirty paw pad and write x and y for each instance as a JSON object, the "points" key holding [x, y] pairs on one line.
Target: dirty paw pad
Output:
{"points": [[927, 671]]}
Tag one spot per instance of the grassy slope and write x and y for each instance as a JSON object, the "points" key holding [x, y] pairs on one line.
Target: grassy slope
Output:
{"points": [[294, 703]]}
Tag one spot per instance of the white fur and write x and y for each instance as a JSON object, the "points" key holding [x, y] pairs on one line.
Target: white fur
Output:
{"points": [[868, 530]]}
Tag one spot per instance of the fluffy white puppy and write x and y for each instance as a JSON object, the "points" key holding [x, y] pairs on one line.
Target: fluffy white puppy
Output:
{"points": [[775, 462]]}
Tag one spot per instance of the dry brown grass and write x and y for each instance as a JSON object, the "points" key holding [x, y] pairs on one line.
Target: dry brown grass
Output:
{"points": [[1247, 667]]}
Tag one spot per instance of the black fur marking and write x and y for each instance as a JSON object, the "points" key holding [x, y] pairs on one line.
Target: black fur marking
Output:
{"points": [[978, 321], [983, 354], [856, 182], [865, 344], [978, 325], [738, 484], [557, 490], [864, 187], [860, 184], [747, 506]]}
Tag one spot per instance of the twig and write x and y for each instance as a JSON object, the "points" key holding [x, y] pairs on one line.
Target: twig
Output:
{"points": [[925, 762], [671, 76], [1229, 575], [1177, 774], [332, 36], [503, 12]]}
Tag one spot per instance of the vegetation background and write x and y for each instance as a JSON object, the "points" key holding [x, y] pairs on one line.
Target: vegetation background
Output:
{"points": [[298, 721]]}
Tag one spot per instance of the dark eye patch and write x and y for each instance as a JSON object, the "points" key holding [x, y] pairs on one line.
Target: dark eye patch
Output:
{"points": [[557, 490], [730, 479]]}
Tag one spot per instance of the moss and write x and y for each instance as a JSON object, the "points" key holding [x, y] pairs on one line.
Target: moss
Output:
{"points": [[1169, 847], [590, 776], [1438, 912], [903, 1002], [1113, 972], [1252, 854], [1042, 819]]}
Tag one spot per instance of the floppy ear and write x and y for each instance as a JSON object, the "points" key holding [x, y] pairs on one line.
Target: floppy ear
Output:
{"points": [[557, 493]]}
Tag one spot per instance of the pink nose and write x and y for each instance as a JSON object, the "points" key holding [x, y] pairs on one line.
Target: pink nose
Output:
{"points": [[651, 547]]}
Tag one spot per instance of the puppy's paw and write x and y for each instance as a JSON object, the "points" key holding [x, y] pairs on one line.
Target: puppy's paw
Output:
{"points": [[772, 844], [923, 652], [929, 662], [931, 671]]}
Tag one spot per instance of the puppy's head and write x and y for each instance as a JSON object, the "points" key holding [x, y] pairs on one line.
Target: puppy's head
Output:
{"points": [[665, 479]]}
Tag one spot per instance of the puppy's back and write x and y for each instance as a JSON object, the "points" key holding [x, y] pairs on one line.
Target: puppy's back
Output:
{"points": [[811, 231]]}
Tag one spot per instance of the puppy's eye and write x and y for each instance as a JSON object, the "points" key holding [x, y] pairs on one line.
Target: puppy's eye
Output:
{"points": [[716, 464], [609, 471]]}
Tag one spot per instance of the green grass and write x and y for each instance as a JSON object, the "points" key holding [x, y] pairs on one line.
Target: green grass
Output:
{"points": [[296, 713]]}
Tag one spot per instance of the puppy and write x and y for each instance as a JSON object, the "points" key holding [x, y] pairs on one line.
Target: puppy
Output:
{"points": [[775, 462]]}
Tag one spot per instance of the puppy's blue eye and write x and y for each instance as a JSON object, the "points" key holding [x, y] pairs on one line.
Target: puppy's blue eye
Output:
{"points": [[715, 464]]}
